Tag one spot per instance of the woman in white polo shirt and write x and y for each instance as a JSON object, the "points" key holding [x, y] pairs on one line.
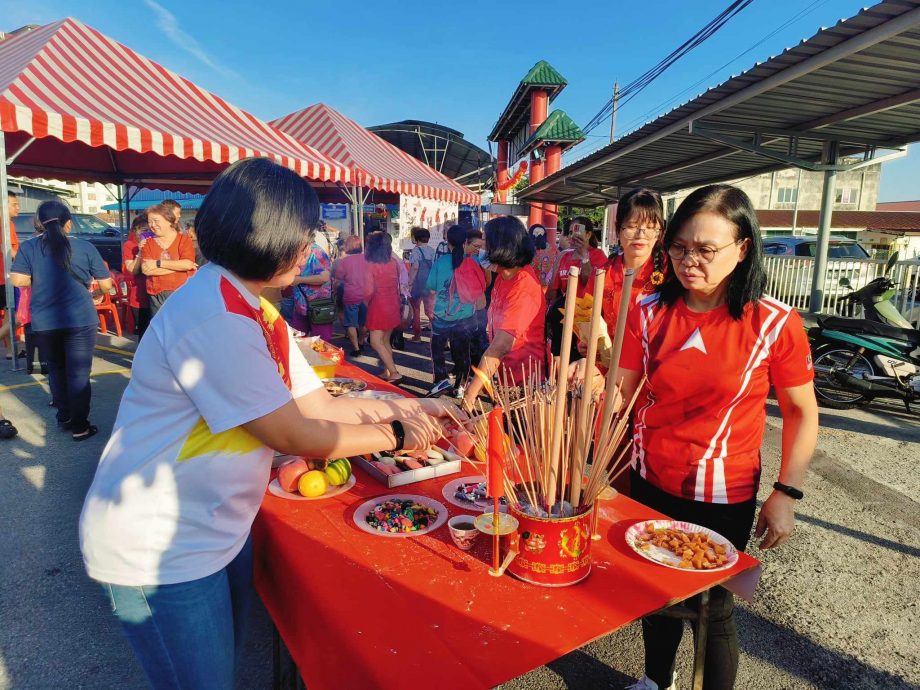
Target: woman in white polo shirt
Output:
{"points": [[217, 383]]}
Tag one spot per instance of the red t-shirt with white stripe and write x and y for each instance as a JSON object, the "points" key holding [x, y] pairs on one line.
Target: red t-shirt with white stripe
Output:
{"points": [[699, 421]]}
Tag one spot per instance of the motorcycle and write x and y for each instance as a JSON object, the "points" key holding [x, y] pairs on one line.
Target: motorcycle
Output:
{"points": [[859, 360]]}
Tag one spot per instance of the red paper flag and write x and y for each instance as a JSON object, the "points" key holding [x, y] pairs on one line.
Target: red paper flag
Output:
{"points": [[496, 453]]}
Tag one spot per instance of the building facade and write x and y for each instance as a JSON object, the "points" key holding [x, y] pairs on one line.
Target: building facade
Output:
{"points": [[787, 189]]}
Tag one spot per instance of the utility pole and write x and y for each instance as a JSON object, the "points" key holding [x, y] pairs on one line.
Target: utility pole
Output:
{"points": [[609, 213]]}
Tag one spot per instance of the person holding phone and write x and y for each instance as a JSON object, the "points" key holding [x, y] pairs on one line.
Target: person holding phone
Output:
{"points": [[584, 254]]}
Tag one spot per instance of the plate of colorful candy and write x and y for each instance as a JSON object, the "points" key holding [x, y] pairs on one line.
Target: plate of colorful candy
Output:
{"points": [[400, 515]]}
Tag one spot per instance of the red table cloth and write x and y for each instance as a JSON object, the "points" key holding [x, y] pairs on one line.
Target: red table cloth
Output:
{"points": [[361, 611]]}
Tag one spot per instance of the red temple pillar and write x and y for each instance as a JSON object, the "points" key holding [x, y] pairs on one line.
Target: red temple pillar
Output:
{"points": [[539, 105], [501, 197], [551, 211], [536, 209]]}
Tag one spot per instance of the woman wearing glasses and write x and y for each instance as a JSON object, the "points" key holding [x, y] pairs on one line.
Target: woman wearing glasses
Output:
{"points": [[711, 344], [639, 224]]}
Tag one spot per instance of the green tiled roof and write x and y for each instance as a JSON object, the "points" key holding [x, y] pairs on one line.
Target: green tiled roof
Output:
{"points": [[559, 127], [541, 77], [544, 74]]}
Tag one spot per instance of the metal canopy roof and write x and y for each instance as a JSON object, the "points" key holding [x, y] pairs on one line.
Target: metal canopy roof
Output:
{"points": [[443, 148], [856, 84]]}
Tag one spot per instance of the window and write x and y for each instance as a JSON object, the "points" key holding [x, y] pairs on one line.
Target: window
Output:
{"points": [[847, 195], [91, 196], [787, 195], [836, 250]]}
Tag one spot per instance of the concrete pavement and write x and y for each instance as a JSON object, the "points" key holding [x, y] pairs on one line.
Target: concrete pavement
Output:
{"points": [[837, 607]]}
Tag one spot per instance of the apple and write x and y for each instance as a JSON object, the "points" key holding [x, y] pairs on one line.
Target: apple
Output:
{"points": [[290, 473]]}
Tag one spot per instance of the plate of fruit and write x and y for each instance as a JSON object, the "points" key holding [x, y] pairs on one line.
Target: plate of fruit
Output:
{"points": [[400, 515], [312, 480]]}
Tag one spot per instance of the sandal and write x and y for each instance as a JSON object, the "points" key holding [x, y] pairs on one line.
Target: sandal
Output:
{"points": [[7, 430], [88, 433]]}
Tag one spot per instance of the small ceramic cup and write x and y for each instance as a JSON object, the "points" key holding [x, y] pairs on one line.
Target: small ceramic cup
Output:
{"points": [[463, 531]]}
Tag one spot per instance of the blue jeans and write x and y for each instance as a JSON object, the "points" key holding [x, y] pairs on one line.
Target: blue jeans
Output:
{"points": [[188, 634], [69, 353]]}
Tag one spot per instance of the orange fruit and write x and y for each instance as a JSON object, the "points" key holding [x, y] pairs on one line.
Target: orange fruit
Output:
{"points": [[312, 484]]}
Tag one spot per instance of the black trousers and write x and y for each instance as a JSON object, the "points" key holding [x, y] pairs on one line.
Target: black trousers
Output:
{"points": [[662, 634], [141, 320], [69, 352], [462, 336], [158, 300]]}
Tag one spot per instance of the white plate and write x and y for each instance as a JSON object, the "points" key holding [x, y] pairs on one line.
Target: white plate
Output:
{"points": [[374, 395], [661, 556], [365, 509], [485, 504], [274, 487]]}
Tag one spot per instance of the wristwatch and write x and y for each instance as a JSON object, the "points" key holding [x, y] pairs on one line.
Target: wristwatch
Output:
{"points": [[158, 264], [790, 491], [399, 432]]}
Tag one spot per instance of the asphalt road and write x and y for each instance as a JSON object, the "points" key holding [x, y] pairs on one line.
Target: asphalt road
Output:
{"points": [[837, 607]]}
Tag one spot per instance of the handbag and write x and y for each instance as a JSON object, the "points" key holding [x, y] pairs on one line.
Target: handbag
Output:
{"points": [[321, 311]]}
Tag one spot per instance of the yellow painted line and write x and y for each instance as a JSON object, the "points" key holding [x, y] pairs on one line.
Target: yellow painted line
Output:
{"points": [[117, 351], [15, 386]]}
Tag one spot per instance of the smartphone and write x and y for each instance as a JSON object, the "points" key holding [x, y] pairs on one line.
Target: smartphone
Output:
{"points": [[578, 230]]}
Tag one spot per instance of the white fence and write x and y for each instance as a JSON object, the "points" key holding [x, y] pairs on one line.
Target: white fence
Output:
{"points": [[790, 277]]}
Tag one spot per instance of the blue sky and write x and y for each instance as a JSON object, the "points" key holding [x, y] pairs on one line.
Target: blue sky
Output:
{"points": [[450, 62]]}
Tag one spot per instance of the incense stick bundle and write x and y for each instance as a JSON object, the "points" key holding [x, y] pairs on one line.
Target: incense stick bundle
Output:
{"points": [[571, 294]]}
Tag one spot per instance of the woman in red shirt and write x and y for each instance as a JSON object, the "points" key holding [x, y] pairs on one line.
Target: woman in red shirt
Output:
{"points": [[639, 224], [517, 311], [584, 254], [167, 258], [711, 344], [135, 281]]}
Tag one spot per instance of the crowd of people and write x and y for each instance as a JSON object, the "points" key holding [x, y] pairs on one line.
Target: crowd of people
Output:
{"points": [[703, 346]]}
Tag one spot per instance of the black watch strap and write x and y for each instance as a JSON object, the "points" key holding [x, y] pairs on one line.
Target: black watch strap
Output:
{"points": [[790, 491], [399, 432]]}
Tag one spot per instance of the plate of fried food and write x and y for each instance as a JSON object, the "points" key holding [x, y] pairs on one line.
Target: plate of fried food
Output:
{"points": [[341, 386], [681, 545]]}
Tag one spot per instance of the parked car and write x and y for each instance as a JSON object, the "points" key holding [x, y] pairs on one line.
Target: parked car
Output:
{"points": [[791, 281], [106, 238]]}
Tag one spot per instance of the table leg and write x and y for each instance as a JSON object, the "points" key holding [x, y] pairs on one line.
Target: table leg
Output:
{"points": [[702, 629]]}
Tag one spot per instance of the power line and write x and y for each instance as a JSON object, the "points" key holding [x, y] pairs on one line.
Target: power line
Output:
{"points": [[802, 13], [637, 85], [657, 109]]}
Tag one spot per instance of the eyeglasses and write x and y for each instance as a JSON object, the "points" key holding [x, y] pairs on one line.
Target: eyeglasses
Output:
{"points": [[703, 255], [632, 233]]}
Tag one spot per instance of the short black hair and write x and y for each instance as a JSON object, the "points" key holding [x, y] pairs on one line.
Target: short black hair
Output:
{"points": [[539, 238], [421, 234], [10, 192], [256, 219], [507, 242], [749, 279], [378, 247], [473, 234]]}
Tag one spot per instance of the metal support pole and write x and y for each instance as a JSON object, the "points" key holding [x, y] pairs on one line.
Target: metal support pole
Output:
{"points": [[824, 230], [7, 253], [795, 209], [609, 212]]}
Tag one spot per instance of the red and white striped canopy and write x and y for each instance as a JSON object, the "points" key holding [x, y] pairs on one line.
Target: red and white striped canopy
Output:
{"points": [[374, 163], [123, 116]]}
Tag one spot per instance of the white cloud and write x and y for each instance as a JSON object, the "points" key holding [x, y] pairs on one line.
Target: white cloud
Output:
{"points": [[168, 23]]}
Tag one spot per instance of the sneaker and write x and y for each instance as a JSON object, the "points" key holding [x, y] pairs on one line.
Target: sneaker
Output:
{"points": [[646, 683], [439, 388]]}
